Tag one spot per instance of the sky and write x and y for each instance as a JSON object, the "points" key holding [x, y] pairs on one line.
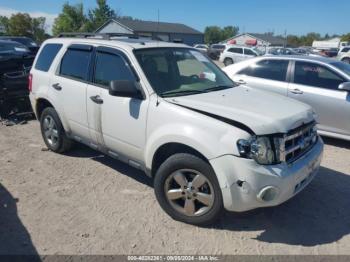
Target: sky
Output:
{"points": [[254, 16]]}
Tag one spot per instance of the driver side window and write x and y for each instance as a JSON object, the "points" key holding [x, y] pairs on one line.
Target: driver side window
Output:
{"points": [[111, 67]]}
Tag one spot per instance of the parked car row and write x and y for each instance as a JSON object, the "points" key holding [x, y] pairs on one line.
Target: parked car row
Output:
{"points": [[209, 143]]}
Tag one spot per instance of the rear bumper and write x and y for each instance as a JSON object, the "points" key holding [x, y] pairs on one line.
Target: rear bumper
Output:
{"points": [[247, 185]]}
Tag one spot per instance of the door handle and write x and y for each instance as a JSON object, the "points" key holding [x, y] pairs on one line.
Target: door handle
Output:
{"points": [[97, 99], [296, 91], [57, 86]]}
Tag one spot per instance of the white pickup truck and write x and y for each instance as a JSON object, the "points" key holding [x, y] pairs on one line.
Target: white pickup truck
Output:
{"points": [[168, 110]]}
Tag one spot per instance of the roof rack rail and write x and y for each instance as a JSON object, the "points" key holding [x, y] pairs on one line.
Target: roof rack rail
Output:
{"points": [[105, 36]]}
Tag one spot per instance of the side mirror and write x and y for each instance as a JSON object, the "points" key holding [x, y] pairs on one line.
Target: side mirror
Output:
{"points": [[344, 86], [125, 88]]}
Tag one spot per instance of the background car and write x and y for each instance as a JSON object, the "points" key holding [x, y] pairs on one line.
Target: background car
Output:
{"points": [[344, 54], [215, 50], [235, 54], [201, 47], [15, 64], [321, 82], [26, 41]]}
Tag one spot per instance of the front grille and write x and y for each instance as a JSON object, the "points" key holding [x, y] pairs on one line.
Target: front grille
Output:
{"points": [[297, 142]]}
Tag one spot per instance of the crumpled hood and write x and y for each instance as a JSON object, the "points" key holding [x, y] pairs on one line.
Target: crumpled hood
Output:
{"points": [[263, 112]]}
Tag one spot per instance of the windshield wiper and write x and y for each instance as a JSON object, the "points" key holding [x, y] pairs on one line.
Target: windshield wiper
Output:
{"points": [[183, 92], [217, 88]]}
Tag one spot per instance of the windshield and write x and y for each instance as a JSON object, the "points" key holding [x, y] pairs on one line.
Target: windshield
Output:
{"points": [[343, 67], [181, 71]]}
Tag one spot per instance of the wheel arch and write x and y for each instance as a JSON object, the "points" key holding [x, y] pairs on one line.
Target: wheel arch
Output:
{"points": [[166, 150], [42, 103]]}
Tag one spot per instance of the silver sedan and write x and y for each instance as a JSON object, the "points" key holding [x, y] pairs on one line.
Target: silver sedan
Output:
{"points": [[322, 83]]}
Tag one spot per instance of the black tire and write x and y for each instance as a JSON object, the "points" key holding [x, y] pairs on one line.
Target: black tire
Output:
{"points": [[228, 61], [346, 60], [63, 142], [188, 161]]}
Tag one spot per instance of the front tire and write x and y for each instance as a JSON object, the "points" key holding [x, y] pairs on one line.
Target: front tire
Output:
{"points": [[53, 132], [187, 189]]}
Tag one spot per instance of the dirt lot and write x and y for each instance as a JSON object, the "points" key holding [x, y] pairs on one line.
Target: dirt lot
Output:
{"points": [[85, 203]]}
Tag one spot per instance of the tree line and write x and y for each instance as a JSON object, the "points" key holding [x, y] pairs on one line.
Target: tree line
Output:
{"points": [[73, 19]]}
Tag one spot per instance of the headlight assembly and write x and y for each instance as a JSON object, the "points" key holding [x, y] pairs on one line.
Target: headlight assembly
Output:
{"points": [[258, 148]]}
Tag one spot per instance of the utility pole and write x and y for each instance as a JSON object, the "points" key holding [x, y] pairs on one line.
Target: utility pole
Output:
{"points": [[285, 38]]}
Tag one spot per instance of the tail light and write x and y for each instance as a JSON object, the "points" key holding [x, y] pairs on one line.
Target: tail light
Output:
{"points": [[30, 82]]}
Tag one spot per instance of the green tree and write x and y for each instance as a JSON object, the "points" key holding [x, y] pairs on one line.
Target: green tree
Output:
{"points": [[229, 31], [98, 16], [293, 41], [20, 24], [72, 19], [346, 38], [38, 29], [212, 34], [4, 22]]}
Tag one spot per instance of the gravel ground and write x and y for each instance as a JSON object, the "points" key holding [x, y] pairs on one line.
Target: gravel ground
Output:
{"points": [[86, 203]]}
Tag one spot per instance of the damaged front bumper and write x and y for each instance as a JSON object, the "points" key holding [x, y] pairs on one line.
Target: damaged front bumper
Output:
{"points": [[247, 185]]}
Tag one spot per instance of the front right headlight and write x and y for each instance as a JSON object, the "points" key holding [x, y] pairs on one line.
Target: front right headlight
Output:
{"points": [[258, 148]]}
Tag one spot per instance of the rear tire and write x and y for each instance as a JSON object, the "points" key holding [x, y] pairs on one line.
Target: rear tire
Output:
{"points": [[228, 61], [199, 187], [53, 132]]}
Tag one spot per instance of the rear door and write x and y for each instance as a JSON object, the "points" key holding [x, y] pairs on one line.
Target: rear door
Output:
{"points": [[236, 53], [317, 85], [69, 87], [268, 74]]}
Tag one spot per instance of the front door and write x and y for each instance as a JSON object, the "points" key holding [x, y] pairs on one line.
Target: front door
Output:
{"points": [[116, 123], [317, 85]]}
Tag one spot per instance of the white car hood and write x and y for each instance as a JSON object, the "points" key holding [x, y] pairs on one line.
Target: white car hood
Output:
{"points": [[262, 112]]}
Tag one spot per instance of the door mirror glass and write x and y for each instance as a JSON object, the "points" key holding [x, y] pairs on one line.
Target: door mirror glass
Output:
{"points": [[345, 86], [125, 88]]}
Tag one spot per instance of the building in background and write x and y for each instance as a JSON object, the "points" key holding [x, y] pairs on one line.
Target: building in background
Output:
{"points": [[170, 32], [258, 40]]}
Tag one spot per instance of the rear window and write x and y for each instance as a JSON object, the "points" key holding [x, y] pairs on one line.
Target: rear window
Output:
{"points": [[75, 64], [46, 56]]}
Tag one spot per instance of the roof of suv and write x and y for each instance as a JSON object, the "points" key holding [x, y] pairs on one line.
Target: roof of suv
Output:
{"points": [[124, 42]]}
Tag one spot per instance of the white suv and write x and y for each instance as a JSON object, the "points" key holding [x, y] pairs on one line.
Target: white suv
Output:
{"points": [[234, 54], [168, 110]]}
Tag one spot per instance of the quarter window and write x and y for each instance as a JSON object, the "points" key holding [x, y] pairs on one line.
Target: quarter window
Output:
{"points": [[46, 56], [75, 64], [111, 67], [249, 52], [316, 75], [268, 69], [236, 50]]}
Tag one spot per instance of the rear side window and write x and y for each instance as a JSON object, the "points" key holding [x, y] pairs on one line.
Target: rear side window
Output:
{"points": [[111, 67], [75, 64], [315, 75], [249, 52], [268, 69], [46, 56], [236, 50]]}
